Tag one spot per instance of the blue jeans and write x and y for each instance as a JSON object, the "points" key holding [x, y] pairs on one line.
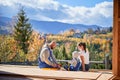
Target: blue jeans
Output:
{"points": [[72, 68], [43, 64], [87, 66]]}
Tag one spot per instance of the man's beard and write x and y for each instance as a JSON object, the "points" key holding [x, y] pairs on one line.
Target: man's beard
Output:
{"points": [[51, 47]]}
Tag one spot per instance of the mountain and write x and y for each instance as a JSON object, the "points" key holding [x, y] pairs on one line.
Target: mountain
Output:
{"points": [[5, 27], [50, 27], [4, 21], [56, 27]]}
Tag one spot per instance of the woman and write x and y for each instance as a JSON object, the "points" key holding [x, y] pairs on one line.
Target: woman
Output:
{"points": [[84, 56]]}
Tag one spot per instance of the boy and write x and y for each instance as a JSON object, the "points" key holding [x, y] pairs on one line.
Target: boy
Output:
{"points": [[74, 63]]}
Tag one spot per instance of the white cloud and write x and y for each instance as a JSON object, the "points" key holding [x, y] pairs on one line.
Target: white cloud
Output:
{"points": [[36, 4], [6, 3], [42, 18], [93, 15], [105, 9], [100, 14]]}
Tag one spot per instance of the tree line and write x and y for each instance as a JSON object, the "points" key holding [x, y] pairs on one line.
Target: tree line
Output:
{"points": [[24, 44]]}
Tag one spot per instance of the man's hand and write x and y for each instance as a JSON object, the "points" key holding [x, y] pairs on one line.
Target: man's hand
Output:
{"points": [[54, 65], [59, 65]]}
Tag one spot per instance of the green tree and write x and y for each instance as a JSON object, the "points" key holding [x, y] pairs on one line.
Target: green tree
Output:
{"points": [[64, 52], [90, 31], [22, 31]]}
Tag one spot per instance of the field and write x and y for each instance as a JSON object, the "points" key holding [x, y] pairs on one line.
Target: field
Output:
{"points": [[98, 45]]}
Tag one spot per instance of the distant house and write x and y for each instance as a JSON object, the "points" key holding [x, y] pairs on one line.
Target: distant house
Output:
{"points": [[77, 35]]}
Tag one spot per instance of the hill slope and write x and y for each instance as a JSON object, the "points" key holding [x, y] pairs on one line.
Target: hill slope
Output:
{"points": [[49, 27]]}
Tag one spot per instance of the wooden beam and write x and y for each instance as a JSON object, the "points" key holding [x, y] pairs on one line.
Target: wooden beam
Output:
{"points": [[116, 39], [119, 19]]}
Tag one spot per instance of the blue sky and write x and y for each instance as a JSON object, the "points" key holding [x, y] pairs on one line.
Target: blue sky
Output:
{"points": [[87, 3], [89, 12]]}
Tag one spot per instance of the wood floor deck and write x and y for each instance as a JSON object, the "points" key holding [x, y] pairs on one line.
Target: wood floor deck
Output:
{"points": [[15, 72]]}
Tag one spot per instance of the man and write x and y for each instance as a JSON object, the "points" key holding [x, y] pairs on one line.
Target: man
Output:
{"points": [[46, 58]]}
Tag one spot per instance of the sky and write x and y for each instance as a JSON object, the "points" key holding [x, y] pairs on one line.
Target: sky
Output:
{"points": [[89, 12]]}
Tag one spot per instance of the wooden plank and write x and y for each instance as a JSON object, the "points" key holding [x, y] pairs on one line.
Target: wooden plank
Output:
{"points": [[38, 73], [99, 62], [105, 77]]}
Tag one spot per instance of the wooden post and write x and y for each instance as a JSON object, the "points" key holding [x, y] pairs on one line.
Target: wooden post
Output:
{"points": [[107, 61], [116, 40]]}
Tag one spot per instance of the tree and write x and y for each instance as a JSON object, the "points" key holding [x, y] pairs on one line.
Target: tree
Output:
{"points": [[97, 31], [64, 52], [90, 31], [109, 29], [22, 31]]}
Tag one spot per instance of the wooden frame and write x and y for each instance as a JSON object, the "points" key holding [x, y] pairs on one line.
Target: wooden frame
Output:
{"points": [[116, 40], [116, 43]]}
